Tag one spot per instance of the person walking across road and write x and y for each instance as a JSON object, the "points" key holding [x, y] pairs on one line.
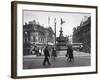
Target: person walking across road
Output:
{"points": [[46, 56], [70, 54], [54, 53]]}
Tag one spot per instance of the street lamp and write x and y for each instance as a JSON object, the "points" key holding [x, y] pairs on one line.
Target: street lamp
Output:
{"points": [[55, 30]]}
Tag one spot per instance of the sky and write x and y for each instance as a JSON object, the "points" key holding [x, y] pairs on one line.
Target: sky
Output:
{"points": [[71, 19]]}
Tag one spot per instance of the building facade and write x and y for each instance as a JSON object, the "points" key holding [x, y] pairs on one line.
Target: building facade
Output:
{"points": [[82, 34], [35, 34]]}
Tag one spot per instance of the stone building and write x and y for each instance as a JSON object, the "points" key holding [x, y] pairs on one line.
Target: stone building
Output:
{"points": [[82, 34], [35, 34]]}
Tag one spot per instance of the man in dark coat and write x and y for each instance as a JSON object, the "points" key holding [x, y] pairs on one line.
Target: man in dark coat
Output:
{"points": [[46, 56], [70, 54]]}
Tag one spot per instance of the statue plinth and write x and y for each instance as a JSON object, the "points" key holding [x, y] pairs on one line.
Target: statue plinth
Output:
{"points": [[61, 41]]}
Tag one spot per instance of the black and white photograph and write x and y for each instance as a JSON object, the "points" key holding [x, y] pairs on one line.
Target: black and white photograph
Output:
{"points": [[53, 39], [56, 39]]}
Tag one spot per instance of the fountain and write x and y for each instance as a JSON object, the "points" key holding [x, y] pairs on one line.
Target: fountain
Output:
{"points": [[61, 41]]}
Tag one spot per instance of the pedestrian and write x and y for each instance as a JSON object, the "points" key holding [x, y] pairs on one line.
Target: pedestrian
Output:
{"points": [[37, 51], [70, 54], [33, 50], [54, 53], [46, 56], [42, 51]]}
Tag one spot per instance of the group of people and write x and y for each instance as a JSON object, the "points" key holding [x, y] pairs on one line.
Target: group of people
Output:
{"points": [[69, 55], [46, 53], [36, 51]]}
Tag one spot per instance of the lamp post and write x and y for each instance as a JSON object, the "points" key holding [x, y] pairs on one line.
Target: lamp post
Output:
{"points": [[55, 30]]}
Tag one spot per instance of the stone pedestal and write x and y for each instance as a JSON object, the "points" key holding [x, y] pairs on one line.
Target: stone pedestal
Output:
{"points": [[61, 41]]}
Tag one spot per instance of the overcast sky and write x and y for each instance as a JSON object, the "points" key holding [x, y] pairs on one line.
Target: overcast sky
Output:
{"points": [[71, 19]]}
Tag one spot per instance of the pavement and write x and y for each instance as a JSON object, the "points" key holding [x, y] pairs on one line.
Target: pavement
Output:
{"points": [[80, 59], [61, 54]]}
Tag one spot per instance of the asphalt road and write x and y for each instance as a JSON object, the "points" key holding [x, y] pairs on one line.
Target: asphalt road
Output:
{"points": [[33, 62]]}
